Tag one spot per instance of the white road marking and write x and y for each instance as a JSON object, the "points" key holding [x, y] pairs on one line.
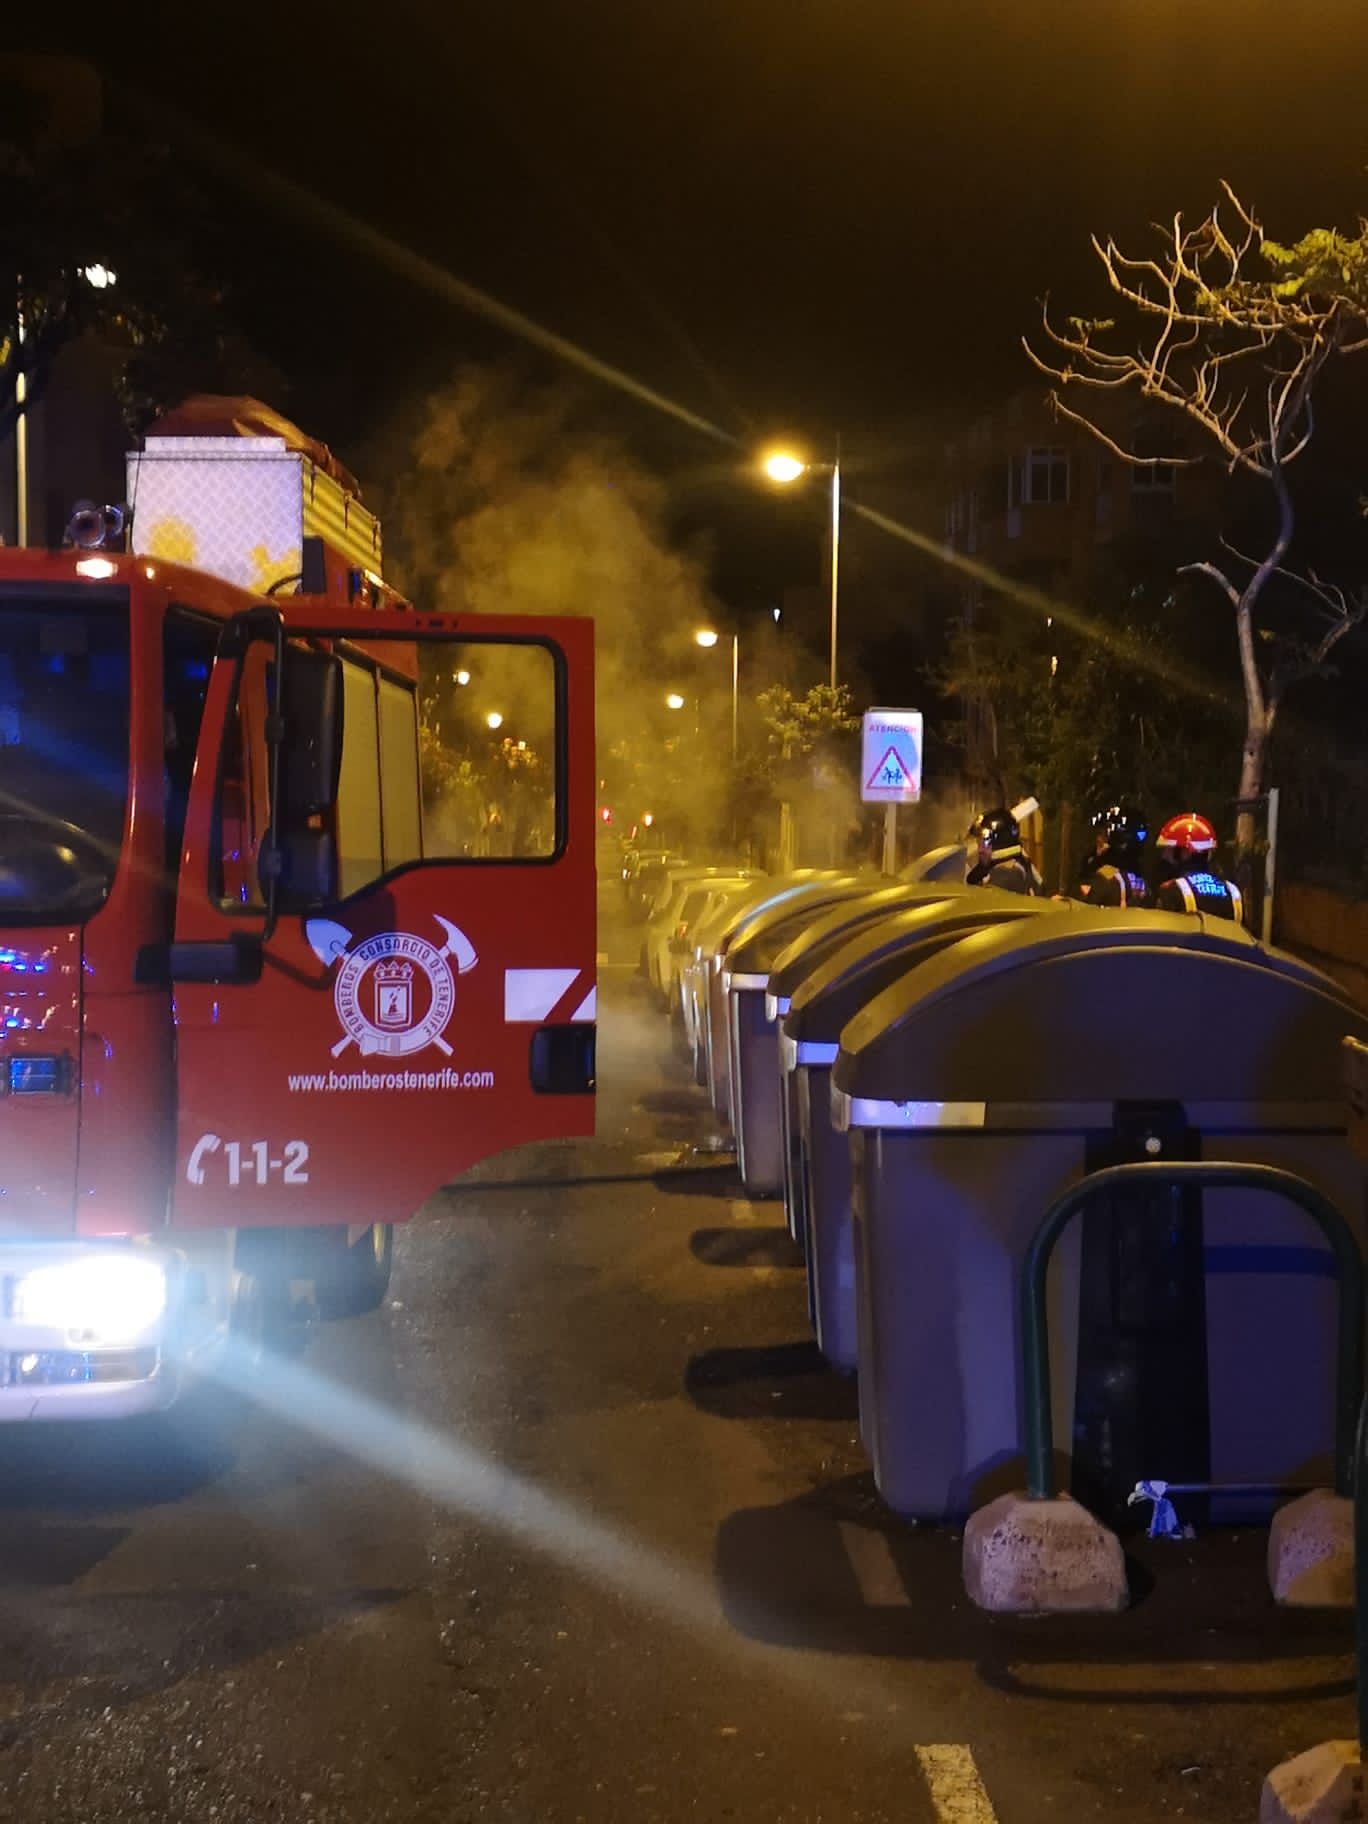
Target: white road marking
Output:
{"points": [[952, 1778], [876, 1571]]}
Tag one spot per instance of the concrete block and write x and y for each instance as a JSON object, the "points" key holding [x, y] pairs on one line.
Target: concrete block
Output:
{"points": [[1322, 1786], [1311, 1552], [1042, 1557]]}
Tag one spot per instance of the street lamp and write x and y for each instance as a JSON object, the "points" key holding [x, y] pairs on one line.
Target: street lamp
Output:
{"points": [[674, 700], [461, 677], [99, 278], [494, 719], [708, 636], [784, 467]]}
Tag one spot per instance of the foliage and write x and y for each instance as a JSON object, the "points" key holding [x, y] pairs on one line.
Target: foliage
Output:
{"points": [[798, 727], [477, 788], [1236, 356], [71, 204], [1323, 265], [1074, 721]]}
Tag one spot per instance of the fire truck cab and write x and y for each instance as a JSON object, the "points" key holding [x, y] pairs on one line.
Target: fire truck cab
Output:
{"points": [[296, 912]]}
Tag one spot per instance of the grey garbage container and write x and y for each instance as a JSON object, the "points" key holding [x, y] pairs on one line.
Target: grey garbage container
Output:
{"points": [[781, 889], [978, 1088], [810, 1030], [836, 927], [946, 864], [719, 894], [754, 1068]]}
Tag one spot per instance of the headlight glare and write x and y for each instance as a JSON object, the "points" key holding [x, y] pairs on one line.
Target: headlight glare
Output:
{"points": [[107, 1298]]}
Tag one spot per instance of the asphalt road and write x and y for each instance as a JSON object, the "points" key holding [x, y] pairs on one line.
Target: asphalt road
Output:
{"points": [[577, 1528]]}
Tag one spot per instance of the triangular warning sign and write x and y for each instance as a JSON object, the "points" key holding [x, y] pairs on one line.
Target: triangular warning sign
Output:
{"points": [[890, 775]]}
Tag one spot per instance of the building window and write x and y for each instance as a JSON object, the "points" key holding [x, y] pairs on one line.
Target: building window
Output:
{"points": [[1153, 478], [1044, 477]]}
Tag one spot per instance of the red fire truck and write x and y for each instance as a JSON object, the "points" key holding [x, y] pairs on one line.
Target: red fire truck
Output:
{"points": [[296, 912]]}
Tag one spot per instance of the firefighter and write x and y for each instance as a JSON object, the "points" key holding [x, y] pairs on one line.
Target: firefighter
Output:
{"points": [[1113, 875], [1188, 875], [1001, 862]]}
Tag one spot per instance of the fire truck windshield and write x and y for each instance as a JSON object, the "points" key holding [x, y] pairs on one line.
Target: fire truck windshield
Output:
{"points": [[64, 741]]}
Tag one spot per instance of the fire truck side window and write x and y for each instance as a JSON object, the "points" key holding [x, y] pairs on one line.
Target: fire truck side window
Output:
{"points": [[450, 751], [360, 846], [402, 815], [488, 744], [188, 645], [244, 809]]}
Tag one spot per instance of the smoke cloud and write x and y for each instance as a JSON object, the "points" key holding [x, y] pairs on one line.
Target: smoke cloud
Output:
{"points": [[509, 500]]}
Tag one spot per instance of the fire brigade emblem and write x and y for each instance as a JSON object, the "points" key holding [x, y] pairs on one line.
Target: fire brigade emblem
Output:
{"points": [[394, 993]]}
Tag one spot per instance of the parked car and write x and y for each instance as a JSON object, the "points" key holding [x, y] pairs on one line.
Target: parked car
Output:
{"points": [[681, 899], [642, 873]]}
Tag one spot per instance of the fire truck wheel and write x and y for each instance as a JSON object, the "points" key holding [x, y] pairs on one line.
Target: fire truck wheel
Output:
{"points": [[360, 1278], [261, 1317]]}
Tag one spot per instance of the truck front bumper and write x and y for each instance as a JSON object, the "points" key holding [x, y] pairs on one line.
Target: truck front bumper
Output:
{"points": [[96, 1330]]}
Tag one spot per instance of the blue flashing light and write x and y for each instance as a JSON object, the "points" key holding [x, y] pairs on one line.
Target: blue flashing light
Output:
{"points": [[35, 1076], [15, 962]]}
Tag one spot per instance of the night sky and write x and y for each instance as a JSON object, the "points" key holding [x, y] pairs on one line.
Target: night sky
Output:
{"points": [[817, 215]]}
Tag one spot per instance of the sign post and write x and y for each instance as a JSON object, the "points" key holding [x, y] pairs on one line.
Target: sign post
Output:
{"points": [[891, 769]]}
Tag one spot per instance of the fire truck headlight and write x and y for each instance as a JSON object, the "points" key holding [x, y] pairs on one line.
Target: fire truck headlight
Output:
{"points": [[99, 1298]]}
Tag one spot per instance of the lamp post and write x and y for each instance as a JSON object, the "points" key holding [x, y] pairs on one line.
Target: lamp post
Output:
{"points": [[708, 637], [784, 467], [99, 278]]}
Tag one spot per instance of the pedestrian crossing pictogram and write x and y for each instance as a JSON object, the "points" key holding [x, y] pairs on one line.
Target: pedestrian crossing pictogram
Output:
{"points": [[890, 773]]}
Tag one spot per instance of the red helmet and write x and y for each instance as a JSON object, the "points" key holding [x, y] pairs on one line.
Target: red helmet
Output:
{"points": [[1188, 833]]}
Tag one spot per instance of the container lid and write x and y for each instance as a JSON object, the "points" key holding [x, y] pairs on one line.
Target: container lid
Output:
{"points": [[1114, 1006], [753, 945], [754, 893], [946, 864], [833, 992], [833, 929]]}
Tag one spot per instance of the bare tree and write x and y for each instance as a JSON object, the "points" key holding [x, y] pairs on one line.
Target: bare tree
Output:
{"points": [[1238, 356]]}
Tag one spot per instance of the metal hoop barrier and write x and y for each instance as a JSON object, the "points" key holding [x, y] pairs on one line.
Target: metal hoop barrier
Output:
{"points": [[1212, 1175]]}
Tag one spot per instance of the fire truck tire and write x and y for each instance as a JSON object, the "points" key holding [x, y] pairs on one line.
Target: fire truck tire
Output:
{"points": [[261, 1317], [359, 1280]]}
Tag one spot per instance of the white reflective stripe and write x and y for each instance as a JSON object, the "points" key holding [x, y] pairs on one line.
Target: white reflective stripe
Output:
{"points": [[865, 1111], [588, 1007], [730, 981], [530, 994], [816, 1051]]}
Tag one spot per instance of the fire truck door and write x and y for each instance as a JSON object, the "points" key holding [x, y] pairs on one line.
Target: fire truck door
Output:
{"points": [[437, 1006]]}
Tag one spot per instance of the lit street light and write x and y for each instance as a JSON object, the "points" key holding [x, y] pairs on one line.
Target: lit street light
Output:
{"points": [[674, 700], [784, 467], [708, 636], [494, 719], [461, 677]]}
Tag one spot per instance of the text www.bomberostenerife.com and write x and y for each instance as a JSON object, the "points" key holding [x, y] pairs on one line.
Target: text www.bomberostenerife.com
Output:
{"points": [[346, 1082]]}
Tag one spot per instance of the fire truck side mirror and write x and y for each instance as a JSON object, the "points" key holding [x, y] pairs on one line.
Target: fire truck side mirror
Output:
{"points": [[308, 871], [311, 745]]}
